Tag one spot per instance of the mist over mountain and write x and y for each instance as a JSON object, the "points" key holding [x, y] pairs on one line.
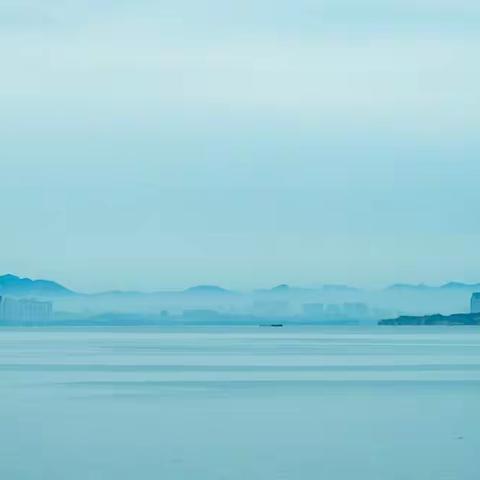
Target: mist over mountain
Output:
{"points": [[281, 301], [207, 290], [423, 287]]}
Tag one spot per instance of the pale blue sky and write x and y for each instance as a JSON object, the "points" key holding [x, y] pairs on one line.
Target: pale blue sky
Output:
{"points": [[152, 144]]}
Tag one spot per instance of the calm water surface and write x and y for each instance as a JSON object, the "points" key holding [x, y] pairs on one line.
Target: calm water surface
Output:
{"points": [[240, 403]]}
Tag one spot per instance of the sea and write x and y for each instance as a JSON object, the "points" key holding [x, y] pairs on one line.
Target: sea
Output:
{"points": [[240, 403]]}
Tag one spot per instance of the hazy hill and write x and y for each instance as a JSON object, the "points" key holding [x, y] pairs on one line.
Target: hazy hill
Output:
{"points": [[24, 287], [207, 290], [406, 299]]}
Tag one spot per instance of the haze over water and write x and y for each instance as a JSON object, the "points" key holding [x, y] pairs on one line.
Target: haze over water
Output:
{"points": [[239, 403], [274, 162]]}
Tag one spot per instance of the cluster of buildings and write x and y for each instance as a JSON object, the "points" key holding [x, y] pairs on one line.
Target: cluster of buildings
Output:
{"points": [[25, 311], [349, 310], [312, 311]]}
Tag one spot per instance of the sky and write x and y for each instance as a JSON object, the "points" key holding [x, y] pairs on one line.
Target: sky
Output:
{"points": [[157, 144]]}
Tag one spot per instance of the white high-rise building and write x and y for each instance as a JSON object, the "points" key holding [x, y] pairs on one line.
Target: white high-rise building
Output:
{"points": [[475, 303]]}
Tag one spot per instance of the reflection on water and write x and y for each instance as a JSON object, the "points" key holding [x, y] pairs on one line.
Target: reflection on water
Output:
{"points": [[236, 403]]}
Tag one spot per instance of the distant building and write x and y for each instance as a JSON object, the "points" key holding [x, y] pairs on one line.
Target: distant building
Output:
{"points": [[333, 311], [266, 308], [313, 309], [475, 303], [25, 311], [355, 310]]}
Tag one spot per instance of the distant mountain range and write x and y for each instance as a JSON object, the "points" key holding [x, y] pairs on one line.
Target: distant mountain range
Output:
{"points": [[24, 287], [446, 286]]}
